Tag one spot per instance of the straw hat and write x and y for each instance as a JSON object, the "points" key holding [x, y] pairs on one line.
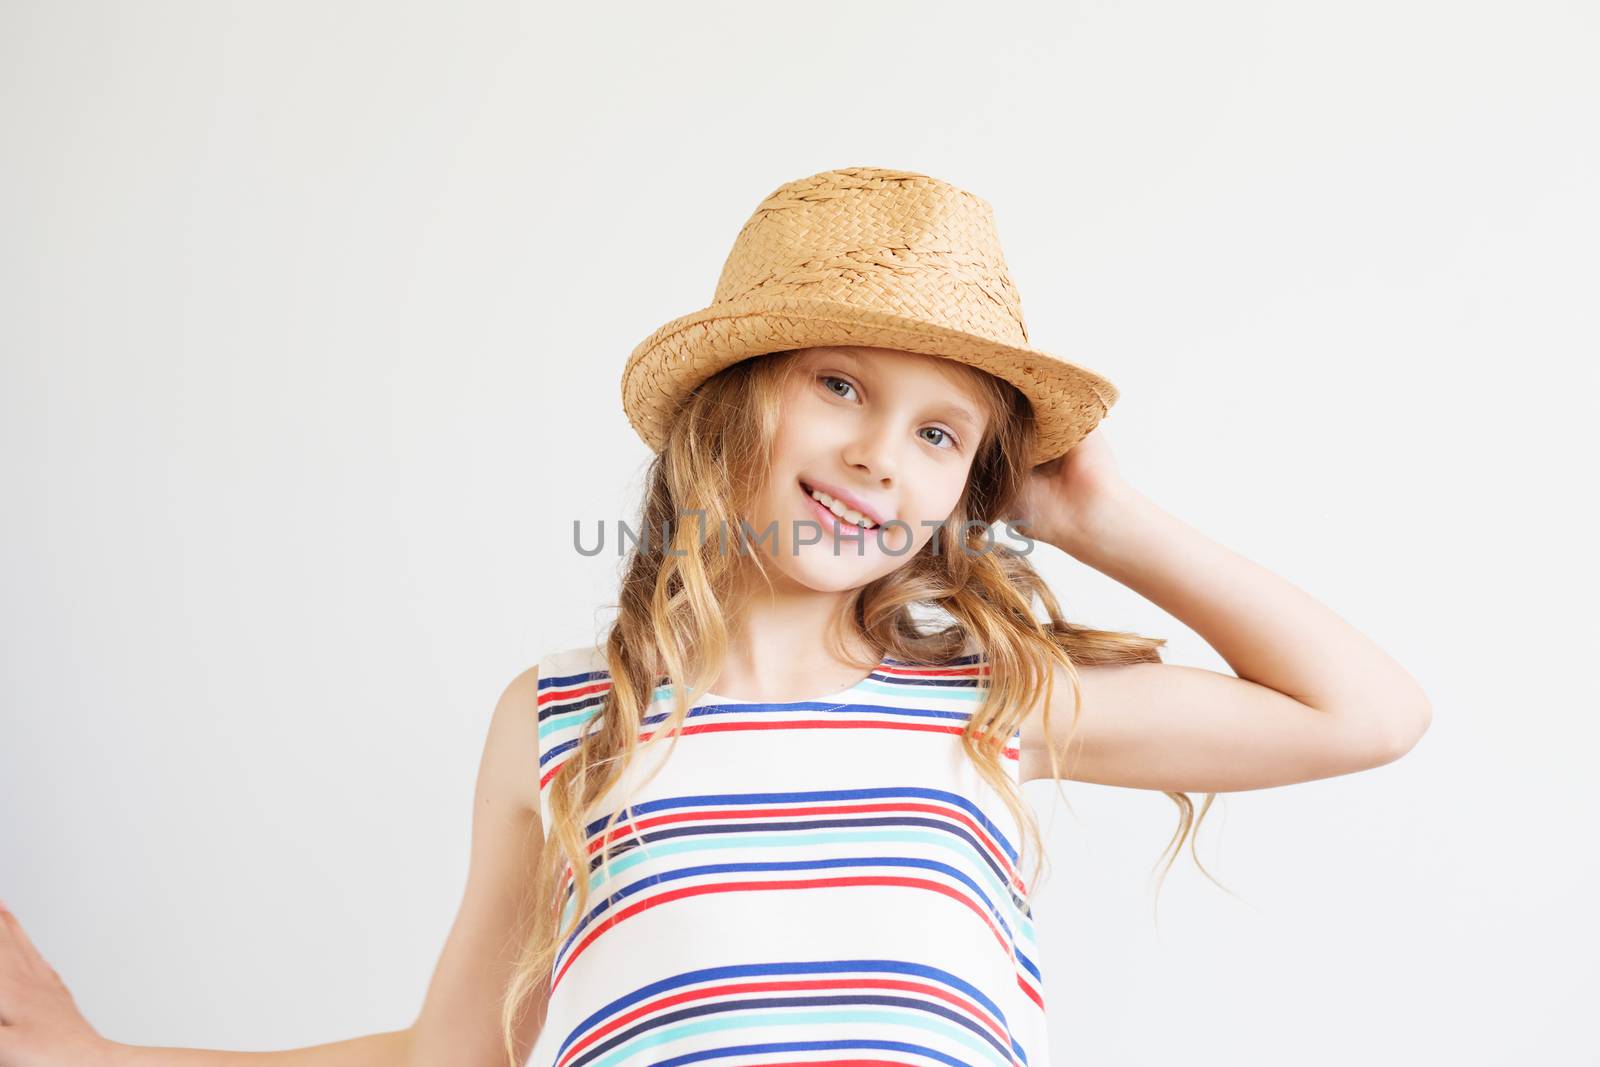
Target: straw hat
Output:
{"points": [[872, 257]]}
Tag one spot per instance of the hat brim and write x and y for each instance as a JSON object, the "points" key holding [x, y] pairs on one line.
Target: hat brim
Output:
{"points": [[1068, 399]]}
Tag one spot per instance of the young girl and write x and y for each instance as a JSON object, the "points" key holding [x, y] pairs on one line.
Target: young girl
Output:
{"points": [[789, 773]]}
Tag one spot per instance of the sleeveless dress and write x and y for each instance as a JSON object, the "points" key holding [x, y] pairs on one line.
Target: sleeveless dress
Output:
{"points": [[824, 881]]}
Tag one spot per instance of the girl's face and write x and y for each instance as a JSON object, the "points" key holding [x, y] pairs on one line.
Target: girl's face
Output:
{"points": [[889, 434]]}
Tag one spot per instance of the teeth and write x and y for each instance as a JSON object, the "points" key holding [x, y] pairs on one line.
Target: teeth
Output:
{"points": [[849, 515]]}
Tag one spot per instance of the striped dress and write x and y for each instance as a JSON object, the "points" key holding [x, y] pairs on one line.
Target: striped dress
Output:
{"points": [[824, 881]]}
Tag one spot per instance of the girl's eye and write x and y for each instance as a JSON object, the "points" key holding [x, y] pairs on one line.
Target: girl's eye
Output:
{"points": [[944, 435], [831, 378]]}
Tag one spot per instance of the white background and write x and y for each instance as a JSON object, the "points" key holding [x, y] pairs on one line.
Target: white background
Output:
{"points": [[312, 318]]}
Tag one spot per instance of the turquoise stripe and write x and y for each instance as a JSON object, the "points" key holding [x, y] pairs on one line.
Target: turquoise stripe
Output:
{"points": [[557, 723], [981, 872], [900, 1018], [929, 691]]}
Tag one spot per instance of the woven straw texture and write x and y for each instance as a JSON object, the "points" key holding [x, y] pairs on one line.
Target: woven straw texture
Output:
{"points": [[872, 257]]}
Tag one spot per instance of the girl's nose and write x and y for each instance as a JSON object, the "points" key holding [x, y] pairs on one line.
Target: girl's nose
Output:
{"points": [[876, 453]]}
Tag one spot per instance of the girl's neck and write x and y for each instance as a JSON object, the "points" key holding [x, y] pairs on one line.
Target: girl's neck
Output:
{"points": [[787, 641]]}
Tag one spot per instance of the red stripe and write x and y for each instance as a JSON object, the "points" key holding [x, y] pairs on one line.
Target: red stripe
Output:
{"points": [[943, 672], [823, 724], [798, 883], [557, 692], [791, 724]]}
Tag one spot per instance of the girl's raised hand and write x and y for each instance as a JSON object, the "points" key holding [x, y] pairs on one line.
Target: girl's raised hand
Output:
{"points": [[1064, 496], [40, 1025]]}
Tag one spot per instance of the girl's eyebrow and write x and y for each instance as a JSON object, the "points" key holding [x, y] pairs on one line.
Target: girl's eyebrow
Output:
{"points": [[957, 412]]}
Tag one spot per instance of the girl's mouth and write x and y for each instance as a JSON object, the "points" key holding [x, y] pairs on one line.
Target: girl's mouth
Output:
{"points": [[841, 526]]}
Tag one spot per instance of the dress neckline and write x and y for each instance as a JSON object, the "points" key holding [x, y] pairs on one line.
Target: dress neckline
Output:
{"points": [[842, 696]]}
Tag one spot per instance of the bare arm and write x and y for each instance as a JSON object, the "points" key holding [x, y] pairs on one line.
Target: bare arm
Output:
{"points": [[374, 1050], [1314, 697], [459, 1022]]}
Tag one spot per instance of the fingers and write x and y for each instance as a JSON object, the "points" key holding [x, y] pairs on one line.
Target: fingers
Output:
{"points": [[10, 969], [18, 944], [22, 969]]}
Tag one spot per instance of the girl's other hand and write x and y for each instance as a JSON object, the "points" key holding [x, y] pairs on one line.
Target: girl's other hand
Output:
{"points": [[40, 1025], [1065, 496]]}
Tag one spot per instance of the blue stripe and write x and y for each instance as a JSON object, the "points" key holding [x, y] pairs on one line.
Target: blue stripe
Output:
{"points": [[937, 975]]}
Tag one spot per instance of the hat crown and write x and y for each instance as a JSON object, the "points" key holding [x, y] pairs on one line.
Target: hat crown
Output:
{"points": [[881, 240]]}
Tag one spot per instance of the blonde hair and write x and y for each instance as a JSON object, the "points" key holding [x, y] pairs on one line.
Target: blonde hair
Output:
{"points": [[678, 596]]}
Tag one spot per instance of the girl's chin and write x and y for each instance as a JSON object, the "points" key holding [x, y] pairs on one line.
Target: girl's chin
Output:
{"points": [[838, 549], [827, 573]]}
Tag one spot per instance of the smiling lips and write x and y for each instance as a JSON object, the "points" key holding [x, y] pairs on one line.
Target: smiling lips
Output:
{"points": [[842, 519]]}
